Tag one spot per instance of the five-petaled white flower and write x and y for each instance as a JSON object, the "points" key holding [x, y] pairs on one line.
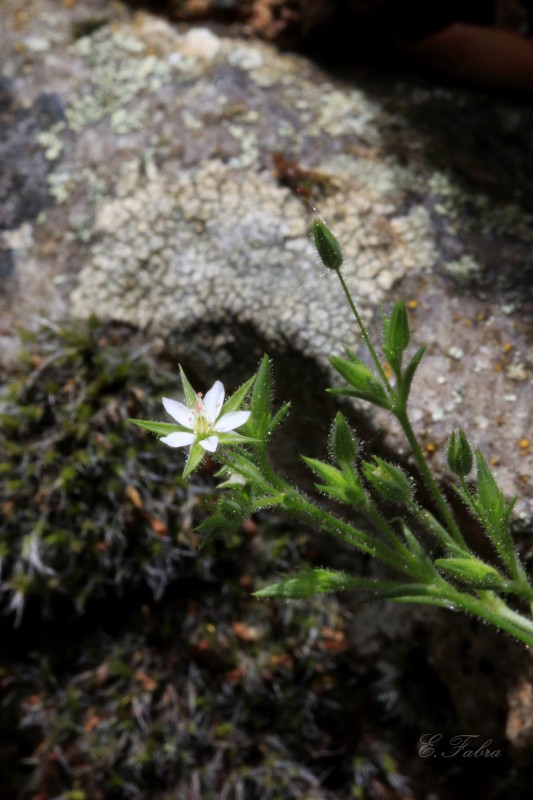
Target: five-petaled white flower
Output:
{"points": [[203, 420]]}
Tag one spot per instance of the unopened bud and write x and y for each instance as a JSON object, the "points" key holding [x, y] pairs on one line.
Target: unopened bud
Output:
{"points": [[343, 443], [389, 481], [396, 329], [327, 246], [459, 454], [470, 570]]}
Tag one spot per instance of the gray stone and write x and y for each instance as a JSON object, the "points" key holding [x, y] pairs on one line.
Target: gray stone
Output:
{"points": [[141, 187]]}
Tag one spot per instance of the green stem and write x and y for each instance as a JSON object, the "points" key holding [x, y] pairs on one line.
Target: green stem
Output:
{"points": [[494, 610], [299, 504], [364, 334], [351, 535], [437, 530], [430, 481], [417, 570]]}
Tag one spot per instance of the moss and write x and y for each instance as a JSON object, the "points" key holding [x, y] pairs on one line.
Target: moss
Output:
{"points": [[81, 518]]}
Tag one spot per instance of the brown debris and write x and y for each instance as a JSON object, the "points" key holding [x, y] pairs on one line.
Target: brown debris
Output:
{"points": [[286, 21]]}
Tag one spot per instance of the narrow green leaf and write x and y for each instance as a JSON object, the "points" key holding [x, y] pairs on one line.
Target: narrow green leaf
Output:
{"points": [[358, 375], [495, 514], [308, 583], [278, 417], [489, 497], [261, 392], [235, 438], [240, 463], [375, 399], [326, 472], [236, 400], [471, 571], [412, 543], [409, 373], [161, 428], [439, 531]]}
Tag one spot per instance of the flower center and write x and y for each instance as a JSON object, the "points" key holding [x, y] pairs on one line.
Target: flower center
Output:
{"points": [[202, 426]]}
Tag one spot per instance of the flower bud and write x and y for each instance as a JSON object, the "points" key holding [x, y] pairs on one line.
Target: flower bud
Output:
{"points": [[459, 454], [396, 329], [470, 570], [343, 443], [388, 481], [327, 245]]}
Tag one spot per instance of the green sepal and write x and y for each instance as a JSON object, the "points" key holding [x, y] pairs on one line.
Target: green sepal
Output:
{"points": [[327, 246], [195, 457], [191, 397]]}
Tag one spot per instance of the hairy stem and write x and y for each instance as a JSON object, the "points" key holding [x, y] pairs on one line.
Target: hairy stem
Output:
{"points": [[430, 481], [364, 334]]}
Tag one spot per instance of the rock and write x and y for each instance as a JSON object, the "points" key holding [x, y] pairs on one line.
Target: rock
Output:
{"points": [[162, 186]]}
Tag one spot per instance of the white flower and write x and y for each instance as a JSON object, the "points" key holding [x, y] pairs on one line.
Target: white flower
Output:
{"points": [[203, 421]]}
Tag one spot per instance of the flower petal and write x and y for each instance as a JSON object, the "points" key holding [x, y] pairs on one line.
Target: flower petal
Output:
{"points": [[213, 401], [178, 439], [231, 421], [210, 444], [179, 412]]}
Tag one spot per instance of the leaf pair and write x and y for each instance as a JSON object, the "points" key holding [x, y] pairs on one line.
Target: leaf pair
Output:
{"points": [[487, 502]]}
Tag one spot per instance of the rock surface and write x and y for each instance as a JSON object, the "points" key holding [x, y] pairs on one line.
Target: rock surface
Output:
{"points": [[155, 175]]}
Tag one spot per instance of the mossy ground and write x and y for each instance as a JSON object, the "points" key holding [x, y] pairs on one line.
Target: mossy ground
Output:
{"points": [[136, 664]]}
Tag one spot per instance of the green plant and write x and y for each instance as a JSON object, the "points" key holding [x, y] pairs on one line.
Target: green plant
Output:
{"points": [[457, 578]]}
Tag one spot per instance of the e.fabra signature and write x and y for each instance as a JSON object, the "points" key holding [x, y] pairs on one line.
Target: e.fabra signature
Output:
{"points": [[466, 745]]}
